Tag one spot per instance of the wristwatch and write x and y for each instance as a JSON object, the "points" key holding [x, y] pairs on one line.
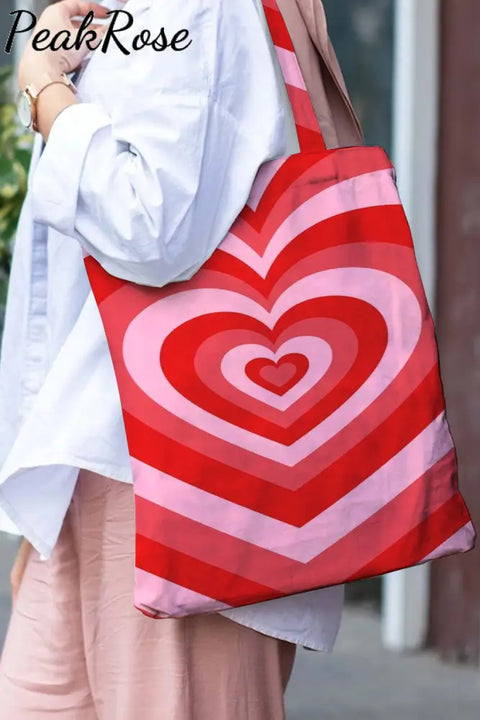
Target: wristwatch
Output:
{"points": [[27, 99]]}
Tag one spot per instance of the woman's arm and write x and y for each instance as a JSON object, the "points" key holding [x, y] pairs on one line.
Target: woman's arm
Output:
{"points": [[150, 178], [50, 103], [18, 568]]}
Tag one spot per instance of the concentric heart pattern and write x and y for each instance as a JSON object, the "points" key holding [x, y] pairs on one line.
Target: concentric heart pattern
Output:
{"points": [[283, 408]]}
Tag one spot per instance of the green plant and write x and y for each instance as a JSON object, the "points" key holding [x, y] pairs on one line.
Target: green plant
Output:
{"points": [[15, 154]]}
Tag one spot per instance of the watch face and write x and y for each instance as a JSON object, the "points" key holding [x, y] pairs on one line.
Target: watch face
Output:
{"points": [[24, 109]]}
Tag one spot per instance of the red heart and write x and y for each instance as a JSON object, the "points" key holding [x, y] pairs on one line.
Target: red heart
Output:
{"points": [[277, 377]]}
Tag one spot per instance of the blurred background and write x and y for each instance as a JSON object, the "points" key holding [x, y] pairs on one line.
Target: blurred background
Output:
{"points": [[409, 645]]}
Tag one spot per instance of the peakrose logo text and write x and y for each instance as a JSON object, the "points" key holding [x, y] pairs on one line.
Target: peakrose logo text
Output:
{"points": [[121, 21]]}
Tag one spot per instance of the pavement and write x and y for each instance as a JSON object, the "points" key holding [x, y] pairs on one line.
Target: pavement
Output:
{"points": [[360, 680]]}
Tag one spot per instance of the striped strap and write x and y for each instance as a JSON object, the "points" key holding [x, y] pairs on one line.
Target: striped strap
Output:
{"points": [[309, 134]]}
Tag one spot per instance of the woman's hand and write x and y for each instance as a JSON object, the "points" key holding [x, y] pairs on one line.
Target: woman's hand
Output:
{"points": [[56, 18], [18, 568], [37, 66]]}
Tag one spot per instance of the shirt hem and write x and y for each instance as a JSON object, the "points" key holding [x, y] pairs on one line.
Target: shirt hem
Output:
{"points": [[311, 645], [114, 472], [23, 528]]}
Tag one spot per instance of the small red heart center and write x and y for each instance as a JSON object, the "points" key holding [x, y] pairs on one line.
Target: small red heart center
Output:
{"points": [[278, 377]]}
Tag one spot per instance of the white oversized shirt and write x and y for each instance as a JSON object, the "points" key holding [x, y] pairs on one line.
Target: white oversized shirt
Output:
{"points": [[159, 145]]}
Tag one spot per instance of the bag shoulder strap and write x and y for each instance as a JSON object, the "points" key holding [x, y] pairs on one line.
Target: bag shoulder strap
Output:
{"points": [[310, 136]]}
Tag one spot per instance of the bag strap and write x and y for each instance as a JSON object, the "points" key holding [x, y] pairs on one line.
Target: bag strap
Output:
{"points": [[310, 136]]}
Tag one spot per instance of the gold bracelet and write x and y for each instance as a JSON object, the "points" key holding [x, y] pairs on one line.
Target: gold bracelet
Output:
{"points": [[57, 82], [34, 94]]}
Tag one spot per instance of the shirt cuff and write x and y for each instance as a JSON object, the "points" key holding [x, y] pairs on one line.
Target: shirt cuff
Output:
{"points": [[56, 178]]}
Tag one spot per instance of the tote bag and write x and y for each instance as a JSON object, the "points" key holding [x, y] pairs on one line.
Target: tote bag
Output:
{"points": [[283, 408]]}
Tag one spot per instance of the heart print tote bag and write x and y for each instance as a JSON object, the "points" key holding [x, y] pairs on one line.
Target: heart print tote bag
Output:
{"points": [[283, 408]]}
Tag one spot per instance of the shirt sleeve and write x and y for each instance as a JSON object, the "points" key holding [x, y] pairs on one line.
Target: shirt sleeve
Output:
{"points": [[149, 178]]}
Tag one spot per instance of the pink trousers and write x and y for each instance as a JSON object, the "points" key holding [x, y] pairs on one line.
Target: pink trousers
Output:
{"points": [[77, 649]]}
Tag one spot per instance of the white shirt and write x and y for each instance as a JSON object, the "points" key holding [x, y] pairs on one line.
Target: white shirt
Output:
{"points": [[160, 145]]}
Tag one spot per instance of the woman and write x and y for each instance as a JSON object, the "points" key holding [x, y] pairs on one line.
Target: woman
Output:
{"points": [[150, 148]]}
